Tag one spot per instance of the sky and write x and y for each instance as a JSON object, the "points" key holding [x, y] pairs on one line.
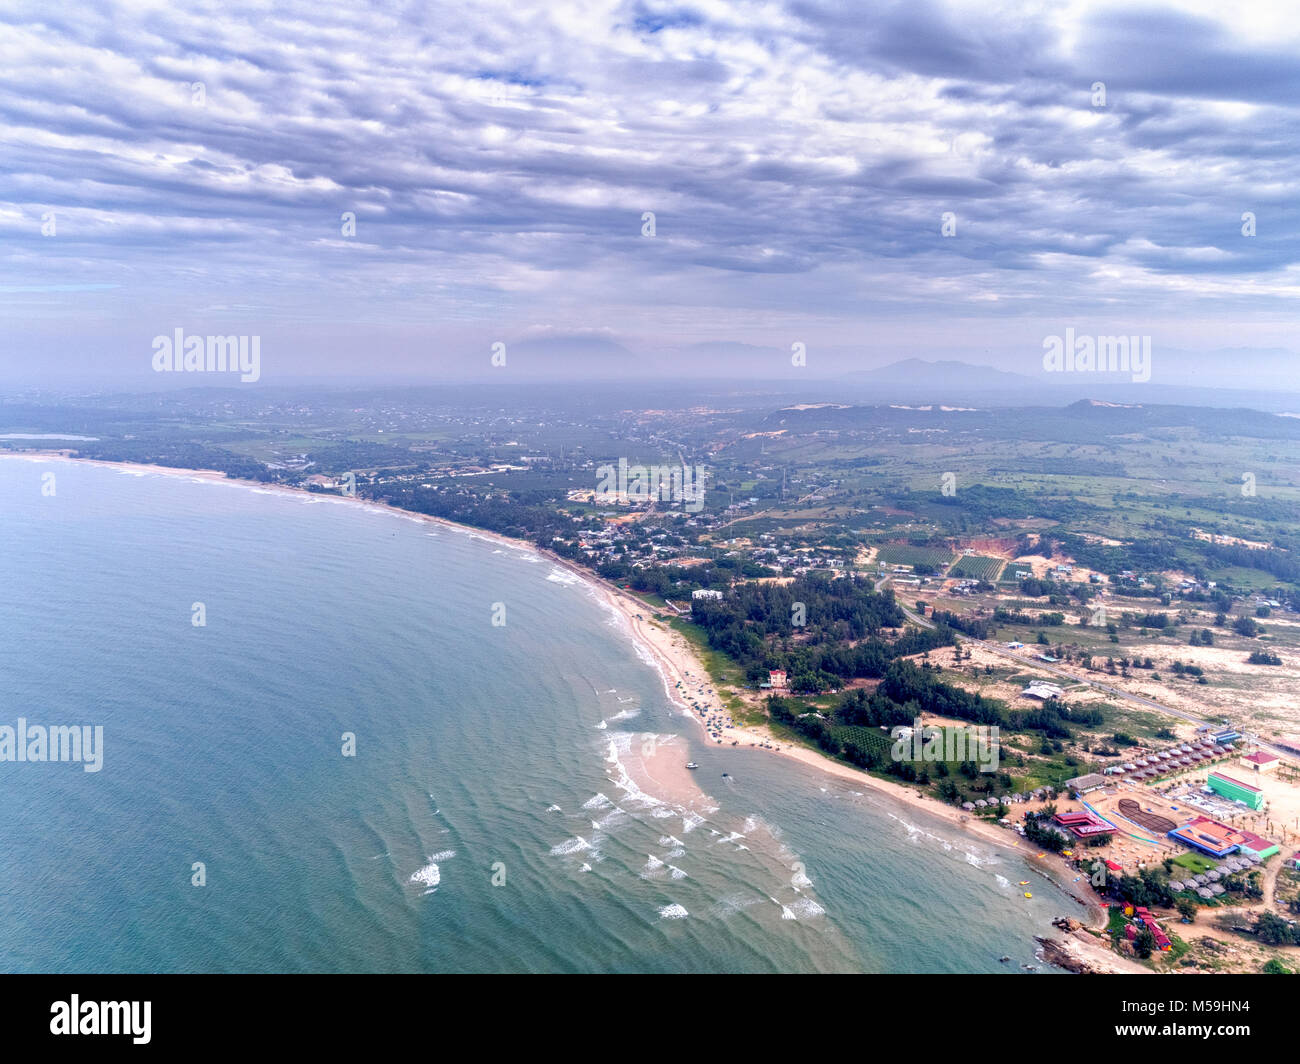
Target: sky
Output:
{"points": [[663, 189]]}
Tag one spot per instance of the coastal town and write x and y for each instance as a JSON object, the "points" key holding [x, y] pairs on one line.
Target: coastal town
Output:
{"points": [[815, 580]]}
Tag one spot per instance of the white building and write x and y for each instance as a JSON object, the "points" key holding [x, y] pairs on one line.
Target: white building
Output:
{"points": [[1041, 690]]}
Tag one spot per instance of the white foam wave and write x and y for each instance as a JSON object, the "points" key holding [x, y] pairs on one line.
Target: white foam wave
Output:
{"points": [[806, 908]]}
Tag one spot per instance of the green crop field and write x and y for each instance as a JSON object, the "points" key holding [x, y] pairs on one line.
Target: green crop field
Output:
{"points": [[870, 738], [908, 555], [978, 567]]}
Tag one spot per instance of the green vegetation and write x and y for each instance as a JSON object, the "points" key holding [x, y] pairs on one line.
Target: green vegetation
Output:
{"points": [[931, 558]]}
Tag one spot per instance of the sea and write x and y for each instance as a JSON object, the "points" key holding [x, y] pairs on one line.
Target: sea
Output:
{"points": [[341, 739]]}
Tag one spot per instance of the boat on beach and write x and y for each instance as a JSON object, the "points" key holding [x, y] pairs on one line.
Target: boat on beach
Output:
{"points": [[691, 764]]}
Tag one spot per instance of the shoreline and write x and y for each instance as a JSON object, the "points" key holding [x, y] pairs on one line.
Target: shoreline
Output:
{"points": [[678, 664]]}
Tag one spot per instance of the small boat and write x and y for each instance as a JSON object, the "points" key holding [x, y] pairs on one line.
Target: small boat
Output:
{"points": [[1028, 895], [1003, 960], [691, 764], [726, 775], [1024, 883]]}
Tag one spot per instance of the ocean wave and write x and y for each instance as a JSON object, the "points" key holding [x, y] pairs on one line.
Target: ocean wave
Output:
{"points": [[597, 801], [429, 875], [672, 912], [806, 908], [568, 846], [611, 819]]}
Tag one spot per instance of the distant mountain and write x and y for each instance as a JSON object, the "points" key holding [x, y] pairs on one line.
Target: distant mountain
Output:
{"points": [[953, 383], [942, 374]]}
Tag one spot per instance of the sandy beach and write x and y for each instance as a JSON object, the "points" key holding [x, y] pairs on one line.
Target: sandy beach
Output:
{"points": [[686, 680]]}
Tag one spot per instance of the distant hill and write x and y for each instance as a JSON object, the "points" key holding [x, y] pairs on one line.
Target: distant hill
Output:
{"points": [[943, 374]]}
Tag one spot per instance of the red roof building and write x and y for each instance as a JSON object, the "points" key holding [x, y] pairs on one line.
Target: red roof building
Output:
{"points": [[1261, 762]]}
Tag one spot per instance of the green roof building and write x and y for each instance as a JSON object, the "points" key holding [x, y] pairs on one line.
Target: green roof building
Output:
{"points": [[1236, 790]]}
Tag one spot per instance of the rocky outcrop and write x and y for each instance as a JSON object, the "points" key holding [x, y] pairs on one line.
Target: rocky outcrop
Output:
{"points": [[1082, 954]]}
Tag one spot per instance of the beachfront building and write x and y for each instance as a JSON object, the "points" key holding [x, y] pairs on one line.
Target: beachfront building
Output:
{"points": [[706, 593], [1219, 840], [1083, 784], [1081, 825], [1208, 836], [1162, 940], [1236, 791], [1261, 762]]}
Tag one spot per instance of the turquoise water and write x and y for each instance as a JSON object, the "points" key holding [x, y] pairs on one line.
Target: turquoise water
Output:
{"points": [[488, 821]]}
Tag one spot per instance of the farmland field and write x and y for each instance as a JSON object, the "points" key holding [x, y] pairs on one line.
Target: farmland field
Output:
{"points": [[870, 738], [980, 568], [907, 555]]}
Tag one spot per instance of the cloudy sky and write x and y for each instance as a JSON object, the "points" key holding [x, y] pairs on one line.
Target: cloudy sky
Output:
{"points": [[190, 165]]}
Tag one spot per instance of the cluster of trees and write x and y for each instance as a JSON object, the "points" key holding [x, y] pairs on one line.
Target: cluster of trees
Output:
{"points": [[1263, 657], [180, 454], [1246, 626], [506, 516], [1035, 587], [1274, 931], [1147, 554], [1042, 834], [820, 631], [1149, 887], [1282, 564], [1144, 620], [981, 503], [972, 626], [671, 580], [917, 688]]}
